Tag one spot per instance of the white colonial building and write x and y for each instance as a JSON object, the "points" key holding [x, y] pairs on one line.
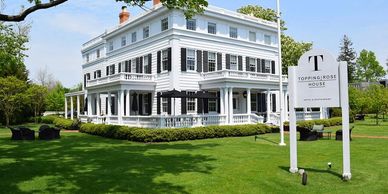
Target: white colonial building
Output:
{"points": [[133, 72]]}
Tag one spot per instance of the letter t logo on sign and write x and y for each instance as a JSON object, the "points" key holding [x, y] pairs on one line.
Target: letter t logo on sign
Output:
{"points": [[316, 61]]}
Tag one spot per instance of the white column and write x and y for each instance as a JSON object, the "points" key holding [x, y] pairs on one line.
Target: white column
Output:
{"points": [[226, 103], [98, 108], [65, 107], [231, 105], [78, 107], [222, 102], [71, 108], [248, 101], [109, 111], [120, 105], [128, 97], [268, 105], [89, 105], [285, 106]]}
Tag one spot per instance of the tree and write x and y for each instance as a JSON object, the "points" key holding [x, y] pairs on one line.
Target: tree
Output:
{"points": [[348, 54], [368, 68], [44, 78], [12, 47], [291, 49], [377, 98], [37, 98], [55, 100], [12, 96], [189, 7]]}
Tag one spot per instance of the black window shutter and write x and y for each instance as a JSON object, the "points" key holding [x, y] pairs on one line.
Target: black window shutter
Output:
{"points": [[218, 103], [206, 105], [273, 67], [158, 111], [263, 66], [183, 59], [264, 102], [273, 102], [126, 66], [258, 98], [158, 61], [200, 105], [140, 104], [199, 61], [119, 67], [258, 65], [227, 61], [183, 104], [240, 63], [169, 106], [84, 80], [149, 63], [247, 64], [169, 59], [107, 70], [141, 65], [114, 69], [129, 66], [219, 61], [95, 75], [205, 61], [150, 103]]}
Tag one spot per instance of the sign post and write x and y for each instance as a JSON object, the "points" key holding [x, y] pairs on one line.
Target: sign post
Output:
{"points": [[319, 81]]}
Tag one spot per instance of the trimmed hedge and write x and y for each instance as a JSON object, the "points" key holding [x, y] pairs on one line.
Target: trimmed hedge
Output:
{"points": [[48, 119], [66, 123], [335, 121], [168, 135]]}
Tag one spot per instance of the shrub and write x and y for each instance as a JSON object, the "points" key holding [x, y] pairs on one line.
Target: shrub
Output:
{"points": [[326, 122], [167, 135], [66, 123], [48, 119]]}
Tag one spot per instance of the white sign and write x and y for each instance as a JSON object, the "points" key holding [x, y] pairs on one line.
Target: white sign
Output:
{"points": [[317, 80]]}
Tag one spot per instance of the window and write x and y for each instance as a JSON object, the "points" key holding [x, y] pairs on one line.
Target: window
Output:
{"points": [[252, 36], [212, 61], [233, 62], [253, 102], [111, 46], [233, 32], [145, 64], [145, 104], [164, 24], [88, 76], [134, 36], [252, 64], [98, 73], [190, 60], [212, 28], [123, 41], [146, 32], [267, 39], [164, 105], [164, 60], [235, 103], [98, 53], [87, 58], [112, 69], [133, 66], [267, 66], [213, 104], [191, 24], [191, 103]]}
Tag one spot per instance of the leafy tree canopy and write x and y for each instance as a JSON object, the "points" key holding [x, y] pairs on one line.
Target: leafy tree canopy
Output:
{"points": [[263, 13], [348, 54], [368, 68]]}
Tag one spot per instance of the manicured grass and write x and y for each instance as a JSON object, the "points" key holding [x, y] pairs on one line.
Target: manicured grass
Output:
{"points": [[81, 163]]}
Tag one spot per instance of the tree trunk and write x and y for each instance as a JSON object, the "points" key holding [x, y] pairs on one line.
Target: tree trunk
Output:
{"points": [[377, 118]]}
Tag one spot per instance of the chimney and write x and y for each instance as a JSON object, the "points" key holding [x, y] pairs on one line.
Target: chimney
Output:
{"points": [[156, 2], [124, 15]]}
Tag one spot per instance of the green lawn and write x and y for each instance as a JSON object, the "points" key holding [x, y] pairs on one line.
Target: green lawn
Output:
{"points": [[81, 163]]}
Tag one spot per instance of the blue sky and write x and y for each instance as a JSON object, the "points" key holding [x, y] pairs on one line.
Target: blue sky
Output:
{"points": [[58, 33]]}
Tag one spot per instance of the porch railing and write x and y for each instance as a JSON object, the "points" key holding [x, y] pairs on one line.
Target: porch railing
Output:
{"points": [[308, 115], [242, 75], [121, 77]]}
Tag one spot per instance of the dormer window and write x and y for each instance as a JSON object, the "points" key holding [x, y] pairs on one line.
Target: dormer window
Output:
{"points": [[252, 36], [164, 24], [191, 24], [98, 53], [134, 37], [146, 32], [111, 46], [233, 32], [212, 28], [123, 41], [267, 39]]}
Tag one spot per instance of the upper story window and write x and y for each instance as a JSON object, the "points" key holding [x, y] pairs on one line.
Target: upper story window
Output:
{"points": [[233, 62], [190, 60], [111, 46], [123, 41], [212, 61], [87, 58], [145, 64], [98, 53], [267, 66], [146, 32], [191, 24], [252, 64], [134, 36], [97, 74], [252, 36], [267, 39], [165, 60], [88, 76], [191, 103], [211, 28], [164, 24], [233, 32]]}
